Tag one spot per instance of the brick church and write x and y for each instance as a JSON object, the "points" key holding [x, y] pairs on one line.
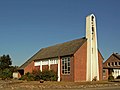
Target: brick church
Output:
{"points": [[76, 60]]}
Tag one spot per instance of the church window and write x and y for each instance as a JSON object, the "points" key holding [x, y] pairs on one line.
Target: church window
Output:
{"points": [[45, 62], [92, 29], [66, 65], [92, 18], [37, 63], [92, 32], [54, 61]]}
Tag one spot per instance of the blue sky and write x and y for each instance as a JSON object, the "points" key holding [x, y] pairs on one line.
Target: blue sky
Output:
{"points": [[29, 25]]}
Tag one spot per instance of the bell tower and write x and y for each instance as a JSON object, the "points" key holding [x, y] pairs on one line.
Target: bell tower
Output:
{"points": [[92, 50]]}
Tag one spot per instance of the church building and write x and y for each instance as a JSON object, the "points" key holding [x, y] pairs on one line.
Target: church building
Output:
{"points": [[76, 60]]}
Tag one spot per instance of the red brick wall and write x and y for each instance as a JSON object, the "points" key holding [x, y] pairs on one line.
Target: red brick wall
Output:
{"points": [[29, 68], [37, 68], [100, 61], [80, 58], [105, 74], [54, 67], [45, 67], [69, 77]]}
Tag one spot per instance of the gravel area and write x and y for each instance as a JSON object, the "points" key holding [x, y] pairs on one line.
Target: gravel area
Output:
{"points": [[36, 85]]}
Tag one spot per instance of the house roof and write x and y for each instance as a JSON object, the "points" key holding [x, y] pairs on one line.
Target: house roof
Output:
{"points": [[63, 49], [115, 57]]}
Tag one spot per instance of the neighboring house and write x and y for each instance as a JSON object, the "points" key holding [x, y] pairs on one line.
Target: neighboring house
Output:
{"points": [[111, 66], [76, 60]]}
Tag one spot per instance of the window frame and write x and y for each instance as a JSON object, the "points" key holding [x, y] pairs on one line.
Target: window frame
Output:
{"points": [[112, 63], [115, 63], [108, 64], [65, 65]]}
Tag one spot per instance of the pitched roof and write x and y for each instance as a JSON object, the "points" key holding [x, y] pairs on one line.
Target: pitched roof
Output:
{"points": [[115, 57], [63, 49]]}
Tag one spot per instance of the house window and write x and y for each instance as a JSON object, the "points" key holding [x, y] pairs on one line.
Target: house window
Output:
{"points": [[104, 72], [66, 65], [112, 63], [115, 63], [119, 63], [108, 64]]}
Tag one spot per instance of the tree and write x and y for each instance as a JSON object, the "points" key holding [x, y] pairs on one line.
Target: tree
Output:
{"points": [[6, 68], [5, 62]]}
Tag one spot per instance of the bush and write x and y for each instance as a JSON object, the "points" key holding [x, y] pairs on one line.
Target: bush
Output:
{"points": [[6, 74], [110, 78], [47, 75], [28, 76], [37, 75]]}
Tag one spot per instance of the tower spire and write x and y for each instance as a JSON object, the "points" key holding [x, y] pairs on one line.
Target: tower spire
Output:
{"points": [[92, 50]]}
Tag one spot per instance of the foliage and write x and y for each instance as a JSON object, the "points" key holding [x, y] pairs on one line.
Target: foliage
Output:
{"points": [[110, 78], [5, 62], [37, 75], [6, 70], [6, 74], [28, 76], [47, 75], [13, 68]]}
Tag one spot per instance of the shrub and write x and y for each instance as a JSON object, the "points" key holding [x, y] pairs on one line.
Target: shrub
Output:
{"points": [[53, 76], [6, 74], [28, 76], [47, 75], [110, 78], [37, 75]]}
